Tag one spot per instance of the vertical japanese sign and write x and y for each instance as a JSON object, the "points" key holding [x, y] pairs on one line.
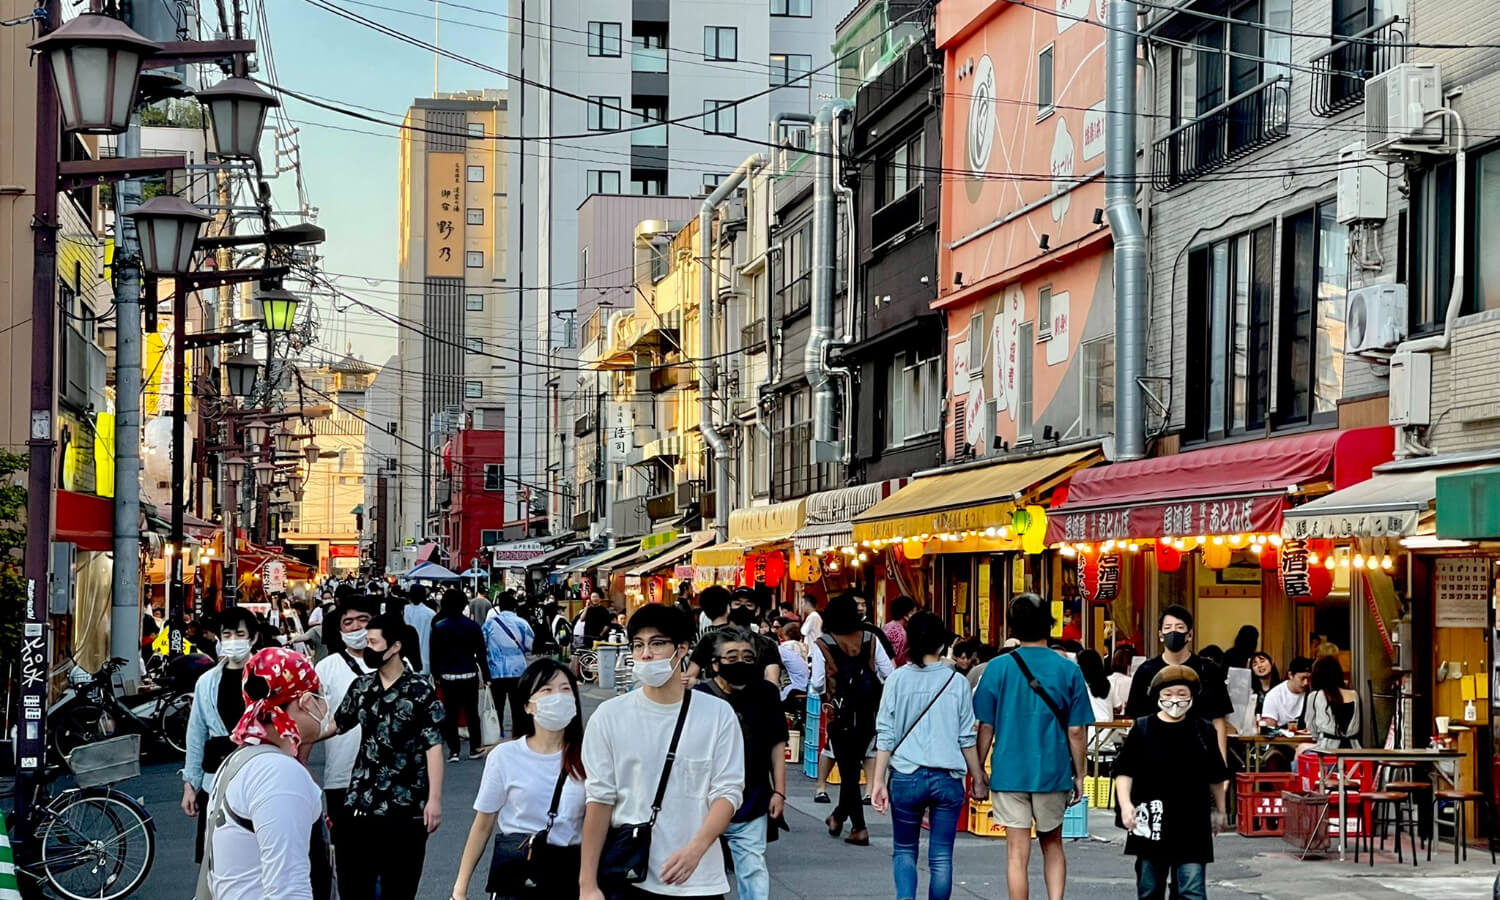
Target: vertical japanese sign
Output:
{"points": [[445, 215], [1294, 580], [1109, 579], [275, 577], [621, 433], [31, 748]]}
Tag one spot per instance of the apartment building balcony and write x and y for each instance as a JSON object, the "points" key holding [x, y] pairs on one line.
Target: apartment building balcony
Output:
{"points": [[896, 218], [648, 71], [670, 377], [586, 424], [1235, 128], [581, 521], [648, 148], [1339, 73], [663, 505], [890, 80], [628, 518], [650, 10]]}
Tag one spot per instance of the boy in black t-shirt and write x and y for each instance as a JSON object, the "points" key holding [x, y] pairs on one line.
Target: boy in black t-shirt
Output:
{"points": [[1168, 768]]}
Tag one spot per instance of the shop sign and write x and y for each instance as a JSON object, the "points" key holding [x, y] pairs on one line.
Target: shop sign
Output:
{"points": [[521, 552], [343, 551], [1231, 515], [1109, 578], [275, 577], [621, 433], [1294, 580], [1380, 524]]}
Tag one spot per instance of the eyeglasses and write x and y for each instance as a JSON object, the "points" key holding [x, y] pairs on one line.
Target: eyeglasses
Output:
{"points": [[737, 658], [655, 645]]}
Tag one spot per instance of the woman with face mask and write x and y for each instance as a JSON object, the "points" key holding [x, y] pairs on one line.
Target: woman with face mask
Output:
{"points": [[1168, 773], [218, 703], [517, 790]]}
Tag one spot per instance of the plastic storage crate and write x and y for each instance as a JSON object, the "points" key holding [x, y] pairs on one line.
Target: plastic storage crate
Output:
{"points": [[1099, 791], [809, 759], [794, 747], [1259, 808], [982, 820], [1306, 822], [1076, 822], [106, 762]]}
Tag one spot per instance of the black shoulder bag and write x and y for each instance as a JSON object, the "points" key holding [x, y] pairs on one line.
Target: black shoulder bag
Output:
{"points": [[626, 855], [1057, 711], [519, 860]]}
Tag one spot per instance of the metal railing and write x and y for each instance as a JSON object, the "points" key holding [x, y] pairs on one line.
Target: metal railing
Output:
{"points": [[1339, 72], [648, 59], [1241, 125], [896, 217]]}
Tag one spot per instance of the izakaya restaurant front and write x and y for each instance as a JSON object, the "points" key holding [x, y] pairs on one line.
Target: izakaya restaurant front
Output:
{"points": [[1204, 529]]}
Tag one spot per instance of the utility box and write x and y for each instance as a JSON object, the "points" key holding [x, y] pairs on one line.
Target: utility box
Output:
{"points": [[1411, 389]]}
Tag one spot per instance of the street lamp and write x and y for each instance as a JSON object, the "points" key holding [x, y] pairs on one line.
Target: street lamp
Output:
{"points": [[168, 226], [281, 440], [294, 482], [96, 62], [263, 472], [242, 369], [256, 432], [312, 451], [278, 308], [237, 110], [234, 469]]}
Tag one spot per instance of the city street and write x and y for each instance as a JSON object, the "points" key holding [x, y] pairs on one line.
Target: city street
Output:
{"points": [[808, 864]]}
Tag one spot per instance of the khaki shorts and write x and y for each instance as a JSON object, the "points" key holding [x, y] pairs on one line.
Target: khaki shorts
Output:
{"points": [[1021, 810]]}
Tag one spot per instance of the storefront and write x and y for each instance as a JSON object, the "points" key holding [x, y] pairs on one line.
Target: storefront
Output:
{"points": [[963, 542], [654, 577], [825, 559], [526, 565], [586, 577]]}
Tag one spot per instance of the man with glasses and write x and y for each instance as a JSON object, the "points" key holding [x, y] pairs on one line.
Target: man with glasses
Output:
{"points": [[1212, 703], [337, 672], [739, 610], [625, 751], [736, 679]]}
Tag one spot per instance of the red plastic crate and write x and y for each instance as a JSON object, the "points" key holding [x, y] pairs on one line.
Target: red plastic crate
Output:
{"points": [[1359, 775], [1253, 824], [1254, 783]]}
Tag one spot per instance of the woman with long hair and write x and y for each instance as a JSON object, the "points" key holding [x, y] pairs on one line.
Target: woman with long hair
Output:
{"points": [[1094, 676], [520, 779], [1119, 679], [1263, 677], [1332, 709]]}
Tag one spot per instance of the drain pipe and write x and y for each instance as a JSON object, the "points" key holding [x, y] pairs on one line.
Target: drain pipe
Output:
{"points": [[824, 259], [1129, 235], [706, 426], [844, 373]]}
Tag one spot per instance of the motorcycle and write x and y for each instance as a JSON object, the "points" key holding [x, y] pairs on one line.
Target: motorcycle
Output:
{"points": [[89, 710]]}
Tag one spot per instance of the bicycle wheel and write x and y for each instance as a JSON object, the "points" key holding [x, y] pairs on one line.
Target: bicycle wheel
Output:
{"points": [[588, 666], [96, 846], [172, 721]]}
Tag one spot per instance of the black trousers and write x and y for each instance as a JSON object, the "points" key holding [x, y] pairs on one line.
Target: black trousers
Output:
{"points": [[390, 853], [346, 853], [505, 693], [849, 751], [461, 694]]}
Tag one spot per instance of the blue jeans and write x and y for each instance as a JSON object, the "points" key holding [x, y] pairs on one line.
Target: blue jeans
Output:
{"points": [[1151, 879], [940, 795], [747, 847]]}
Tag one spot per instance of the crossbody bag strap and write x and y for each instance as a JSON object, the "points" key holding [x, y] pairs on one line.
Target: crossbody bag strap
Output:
{"points": [[923, 713], [1057, 711], [666, 769], [562, 777]]}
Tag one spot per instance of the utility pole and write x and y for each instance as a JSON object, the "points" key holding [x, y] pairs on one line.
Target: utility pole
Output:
{"points": [[176, 595], [125, 583]]}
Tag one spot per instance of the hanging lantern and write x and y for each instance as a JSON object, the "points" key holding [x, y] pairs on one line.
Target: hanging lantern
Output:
{"points": [[1270, 558], [1319, 582], [1036, 521], [1034, 541], [237, 111], [1236, 541], [775, 569], [1088, 576], [913, 549], [96, 62], [1020, 520], [1168, 557], [1216, 556]]}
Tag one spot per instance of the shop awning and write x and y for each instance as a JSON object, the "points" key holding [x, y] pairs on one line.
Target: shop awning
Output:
{"points": [[719, 555], [595, 561], [1389, 504], [670, 558], [85, 520], [1466, 505], [767, 524], [1231, 489], [529, 554], [643, 559], [965, 500], [830, 514]]}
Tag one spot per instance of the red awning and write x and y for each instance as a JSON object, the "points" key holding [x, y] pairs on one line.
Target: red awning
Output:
{"points": [[85, 520], [1231, 489]]}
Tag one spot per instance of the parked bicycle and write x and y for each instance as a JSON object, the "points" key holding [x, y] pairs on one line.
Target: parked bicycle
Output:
{"points": [[90, 711], [89, 842]]}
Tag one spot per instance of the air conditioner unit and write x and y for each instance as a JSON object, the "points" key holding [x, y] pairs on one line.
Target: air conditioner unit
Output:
{"points": [[1397, 102], [1375, 318], [1411, 389], [1362, 186]]}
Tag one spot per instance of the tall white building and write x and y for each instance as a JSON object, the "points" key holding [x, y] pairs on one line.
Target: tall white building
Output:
{"points": [[716, 74]]}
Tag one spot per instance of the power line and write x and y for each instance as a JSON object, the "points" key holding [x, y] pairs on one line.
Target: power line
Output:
{"points": [[1332, 38]]}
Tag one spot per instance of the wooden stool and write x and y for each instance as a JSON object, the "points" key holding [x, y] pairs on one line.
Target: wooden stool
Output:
{"points": [[1460, 801], [1397, 802]]}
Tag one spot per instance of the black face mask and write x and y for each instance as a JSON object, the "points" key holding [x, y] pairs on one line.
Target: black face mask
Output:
{"points": [[742, 616], [738, 674], [1175, 640], [374, 659]]}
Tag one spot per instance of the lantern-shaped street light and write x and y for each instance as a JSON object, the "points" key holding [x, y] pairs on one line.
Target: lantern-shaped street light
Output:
{"points": [[256, 432], [96, 62], [234, 469], [312, 450], [237, 108], [294, 481], [264, 472], [168, 226], [278, 308], [243, 370], [281, 440]]}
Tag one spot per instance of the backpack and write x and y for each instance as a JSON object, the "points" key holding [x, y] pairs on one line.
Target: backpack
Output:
{"points": [[852, 687]]}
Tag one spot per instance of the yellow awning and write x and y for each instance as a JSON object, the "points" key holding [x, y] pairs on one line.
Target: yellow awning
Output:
{"points": [[720, 555], [967, 500], [767, 524]]}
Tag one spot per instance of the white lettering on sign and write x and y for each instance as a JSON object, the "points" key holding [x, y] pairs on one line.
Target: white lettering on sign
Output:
{"points": [[997, 343], [1093, 131], [1070, 12]]}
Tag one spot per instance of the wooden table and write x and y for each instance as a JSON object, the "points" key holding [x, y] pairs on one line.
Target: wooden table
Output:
{"points": [[1328, 759], [1100, 734], [1257, 747]]}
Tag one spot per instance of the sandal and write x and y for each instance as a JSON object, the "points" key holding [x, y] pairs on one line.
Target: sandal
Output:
{"points": [[821, 797], [835, 827]]}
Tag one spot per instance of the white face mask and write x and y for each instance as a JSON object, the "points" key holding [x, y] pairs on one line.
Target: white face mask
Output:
{"points": [[236, 650], [355, 640], [656, 672], [1177, 709], [554, 711]]}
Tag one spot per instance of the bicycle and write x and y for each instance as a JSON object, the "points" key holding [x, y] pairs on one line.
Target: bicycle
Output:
{"points": [[90, 710], [89, 842]]}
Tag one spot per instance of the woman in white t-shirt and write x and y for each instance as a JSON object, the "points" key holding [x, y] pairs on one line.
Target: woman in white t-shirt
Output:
{"points": [[520, 779]]}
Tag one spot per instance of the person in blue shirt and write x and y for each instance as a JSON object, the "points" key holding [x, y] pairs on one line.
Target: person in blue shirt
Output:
{"points": [[1033, 705], [507, 640]]}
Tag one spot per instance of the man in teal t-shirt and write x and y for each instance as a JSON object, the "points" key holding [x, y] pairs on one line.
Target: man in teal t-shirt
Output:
{"points": [[1037, 770]]}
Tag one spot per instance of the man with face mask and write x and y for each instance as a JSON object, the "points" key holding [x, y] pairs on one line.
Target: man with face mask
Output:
{"points": [[1212, 703], [737, 610], [218, 704], [736, 678], [1167, 771], [338, 672]]}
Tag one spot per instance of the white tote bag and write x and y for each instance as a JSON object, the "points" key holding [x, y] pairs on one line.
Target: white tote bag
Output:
{"points": [[489, 720]]}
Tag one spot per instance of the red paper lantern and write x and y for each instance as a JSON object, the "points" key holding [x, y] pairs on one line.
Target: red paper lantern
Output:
{"points": [[1088, 576], [775, 568], [1168, 557], [1319, 582], [1270, 559]]}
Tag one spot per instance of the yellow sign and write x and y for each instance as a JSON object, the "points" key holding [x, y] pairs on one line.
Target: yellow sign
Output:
{"points": [[767, 524], [445, 215], [969, 518], [719, 556]]}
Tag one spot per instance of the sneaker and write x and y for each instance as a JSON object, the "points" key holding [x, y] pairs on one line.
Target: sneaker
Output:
{"points": [[453, 757], [479, 754], [821, 797]]}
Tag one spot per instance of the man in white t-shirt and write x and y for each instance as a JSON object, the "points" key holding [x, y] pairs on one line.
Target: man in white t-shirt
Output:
{"points": [[1285, 701], [338, 672], [625, 750], [812, 620]]}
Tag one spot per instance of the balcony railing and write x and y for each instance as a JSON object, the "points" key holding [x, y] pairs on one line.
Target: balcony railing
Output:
{"points": [[896, 217], [665, 378], [1237, 127], [1339, 72], [648, 59], [655, 136], [662, 506], [795, 297]]}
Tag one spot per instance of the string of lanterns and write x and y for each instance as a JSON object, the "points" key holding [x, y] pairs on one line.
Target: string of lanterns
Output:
{"points": [[1028, 525], [1218, 551]]}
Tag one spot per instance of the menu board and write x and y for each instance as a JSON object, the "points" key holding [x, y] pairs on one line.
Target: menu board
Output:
{"points": [[1462, 592]]}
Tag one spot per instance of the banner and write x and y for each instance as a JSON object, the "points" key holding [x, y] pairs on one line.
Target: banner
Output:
{"points": [[1258, 513], [1294, 580]]}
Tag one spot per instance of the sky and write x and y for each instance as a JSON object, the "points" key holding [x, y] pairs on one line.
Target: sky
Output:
{"points": [[352, 177]]}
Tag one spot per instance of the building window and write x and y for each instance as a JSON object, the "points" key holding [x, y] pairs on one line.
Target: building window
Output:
{"points": [[474, 345], [473, 390], [721, 42], [603, 181], [1314, 283], [1230, 305], [801, 8], [489, 537], [760, 451], [712, 180], [1098, 402], [719, 116], [1044, 82], [476, 129], [1024, 380], [476, 174], [474, 302], [604, 114], [796, 473], [1432, 244], [796, 284], [474, 259], [494, 477], [649, 186], [901, 170], [913, 392], [790, 69], [604, 39], [583, 268], [1486, 265], [976, 348], [474, 216], [793, 135]]}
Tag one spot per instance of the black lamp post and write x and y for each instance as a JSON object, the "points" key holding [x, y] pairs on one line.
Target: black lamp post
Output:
{"points": [[243, 371], [237, 110]]}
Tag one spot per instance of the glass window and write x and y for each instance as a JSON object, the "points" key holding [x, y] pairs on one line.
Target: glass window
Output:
{"points": [[474, 302], [473, 390], [1486, 234], [719, 116], [1098, 402], [896, 401], [901, 170], [604, 113], [474, 259], [1024, 348], [791, 8], [603, 181], [476, 129], [790, 69], [976, 346], [476, 173], [796, 289], [1431, 246], [1230, 308], [1315, 280], [604, 39], [1044, 81], [721, 42], [474, 216], [494, 476], [474, 345]]}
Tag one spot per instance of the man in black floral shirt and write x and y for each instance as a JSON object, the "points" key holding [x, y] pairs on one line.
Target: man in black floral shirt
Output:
{"points": [[396, 789]]}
